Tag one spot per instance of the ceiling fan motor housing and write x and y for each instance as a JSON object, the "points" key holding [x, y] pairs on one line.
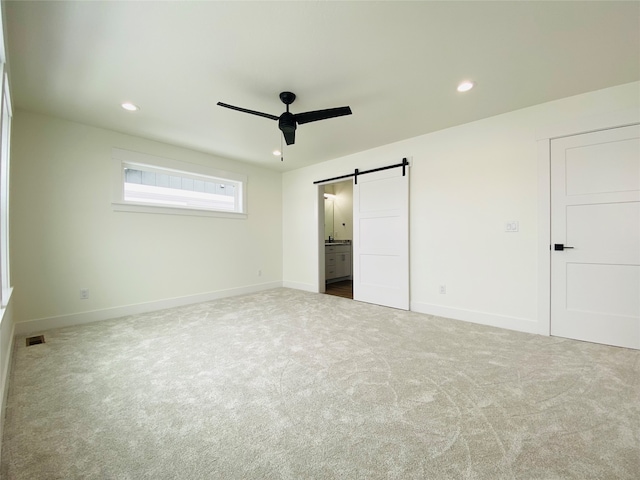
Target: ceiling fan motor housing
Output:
{"points": [[287, 122]]}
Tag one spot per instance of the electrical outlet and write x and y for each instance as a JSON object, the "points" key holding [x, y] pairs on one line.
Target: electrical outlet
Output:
{"points": [[84, 293], [443, 289], [259, 273]]}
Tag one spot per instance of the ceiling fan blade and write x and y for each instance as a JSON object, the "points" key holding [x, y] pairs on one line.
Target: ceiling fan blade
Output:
{"points": [[316, 115], [290, 137], [252, 112]]}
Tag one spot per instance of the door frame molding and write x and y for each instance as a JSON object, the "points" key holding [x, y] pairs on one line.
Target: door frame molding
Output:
{"points": [[544, 136], [322, 288]]}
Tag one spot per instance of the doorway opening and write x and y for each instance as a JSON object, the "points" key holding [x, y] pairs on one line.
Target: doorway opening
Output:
{"points": [[337, 254]]}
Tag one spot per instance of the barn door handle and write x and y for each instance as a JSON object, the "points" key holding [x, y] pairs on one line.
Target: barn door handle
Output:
{"points": [[560, 246]]}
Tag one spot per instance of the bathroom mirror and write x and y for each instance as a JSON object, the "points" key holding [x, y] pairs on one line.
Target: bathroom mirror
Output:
{"points": [[328, 218], [338, 211]]}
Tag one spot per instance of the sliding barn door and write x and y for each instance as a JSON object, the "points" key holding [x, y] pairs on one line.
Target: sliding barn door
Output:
{"points": [[381, 238], [595, 229]]}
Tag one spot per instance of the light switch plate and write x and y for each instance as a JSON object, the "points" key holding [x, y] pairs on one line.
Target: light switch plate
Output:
{"points": [[512, 226]]}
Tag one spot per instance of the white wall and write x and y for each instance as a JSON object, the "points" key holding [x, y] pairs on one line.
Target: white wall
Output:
{"points": [[343, 211], [466, 182], [65, 235]]}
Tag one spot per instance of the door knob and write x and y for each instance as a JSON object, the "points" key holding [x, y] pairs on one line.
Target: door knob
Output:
{"points": [[560, 247]]}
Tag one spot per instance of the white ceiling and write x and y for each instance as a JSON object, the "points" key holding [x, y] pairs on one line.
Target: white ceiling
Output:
{"points": [[395, 63]]}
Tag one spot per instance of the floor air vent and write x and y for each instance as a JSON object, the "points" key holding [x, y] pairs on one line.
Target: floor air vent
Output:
{"points": [[37, 340]]}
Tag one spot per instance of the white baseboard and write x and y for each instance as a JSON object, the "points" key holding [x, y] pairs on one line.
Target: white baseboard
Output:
{"points": [[307, 287], [43, 324], [491, 319]]}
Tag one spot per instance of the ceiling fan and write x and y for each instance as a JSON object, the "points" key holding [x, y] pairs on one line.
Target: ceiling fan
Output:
{"points": [[288, 122]]}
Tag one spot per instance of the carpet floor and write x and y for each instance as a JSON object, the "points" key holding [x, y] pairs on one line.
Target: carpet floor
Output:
{"points": [[285, 384]]}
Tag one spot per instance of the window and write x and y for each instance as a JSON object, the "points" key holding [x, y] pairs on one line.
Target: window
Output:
{"points": [[5, 135], [144, 183]]}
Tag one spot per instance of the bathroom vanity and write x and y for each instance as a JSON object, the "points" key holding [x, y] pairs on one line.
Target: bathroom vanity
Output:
{"points": [[337, 261]]}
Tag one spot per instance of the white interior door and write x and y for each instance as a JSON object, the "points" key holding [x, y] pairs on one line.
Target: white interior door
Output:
{"points": [[595, 209], [381, 238]]}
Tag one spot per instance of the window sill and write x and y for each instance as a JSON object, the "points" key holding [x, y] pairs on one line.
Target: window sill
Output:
{"points": [[165, 210], [6, 298]]}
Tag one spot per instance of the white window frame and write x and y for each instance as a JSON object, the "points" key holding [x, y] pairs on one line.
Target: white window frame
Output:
{"points": [[5, 137], [128, 159]]}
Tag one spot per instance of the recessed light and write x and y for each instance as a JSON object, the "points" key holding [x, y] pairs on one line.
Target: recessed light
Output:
{"points": [[277, 152], [130, 106], [465, 86]]}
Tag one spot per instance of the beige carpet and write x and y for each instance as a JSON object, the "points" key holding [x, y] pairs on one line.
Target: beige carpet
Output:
{"points": [[292, 385]]}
